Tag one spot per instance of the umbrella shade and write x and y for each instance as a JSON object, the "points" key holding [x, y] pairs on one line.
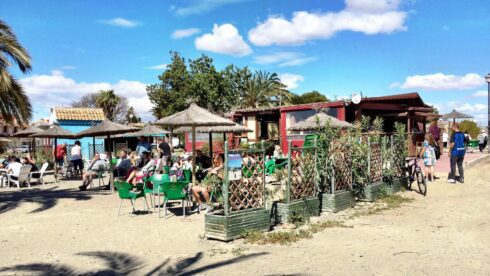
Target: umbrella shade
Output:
{"points": [[147, 130], [311, 122], [456, 115], [216, 129], [27, 132], [194, 116], [6, 140], [54, 132], [105, 128]]}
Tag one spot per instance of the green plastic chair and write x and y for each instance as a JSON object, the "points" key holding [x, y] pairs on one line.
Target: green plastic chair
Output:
{"points": [[174, 191], [188, 175], [270, 166], [157, 180], [125, 193]]}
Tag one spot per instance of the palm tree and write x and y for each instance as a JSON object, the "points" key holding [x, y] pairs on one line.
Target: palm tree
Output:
{"points": [[14, 102], [263, 89], [108, 101]]}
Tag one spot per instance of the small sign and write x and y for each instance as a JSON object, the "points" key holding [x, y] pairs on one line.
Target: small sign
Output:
{"points": [[234, 174], [234, 161]]}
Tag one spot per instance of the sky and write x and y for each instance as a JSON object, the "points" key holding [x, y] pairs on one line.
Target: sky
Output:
{"points": [[338, 47]]}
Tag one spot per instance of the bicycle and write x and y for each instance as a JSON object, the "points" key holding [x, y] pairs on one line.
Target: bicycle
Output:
{"points": [[415, 173]]}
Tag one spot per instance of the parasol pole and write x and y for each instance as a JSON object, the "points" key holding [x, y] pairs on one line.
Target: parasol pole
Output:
{"points": [[111, 168], [211, 145], [193, 155], [93, 146], [55, 165]]}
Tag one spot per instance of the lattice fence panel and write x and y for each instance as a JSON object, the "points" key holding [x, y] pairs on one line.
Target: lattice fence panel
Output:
{"points": [[376, 171], [99, 148], [342, 165], [121, 146], [248, 191], [303, 173]]}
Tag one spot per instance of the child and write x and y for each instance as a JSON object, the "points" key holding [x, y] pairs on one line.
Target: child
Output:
{"points": [[428, 154]]}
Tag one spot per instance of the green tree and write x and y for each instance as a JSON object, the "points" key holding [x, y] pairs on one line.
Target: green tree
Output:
{"points": [[309, 97], [14, 102], [470, 127], [170, 95], [263, 89], [131, 116]]}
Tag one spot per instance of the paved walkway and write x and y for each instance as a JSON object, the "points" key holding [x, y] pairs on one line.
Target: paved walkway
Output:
{"points": [[443, 166]]}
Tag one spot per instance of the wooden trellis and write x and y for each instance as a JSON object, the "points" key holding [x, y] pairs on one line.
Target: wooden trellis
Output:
{"points": [[342, 168], [302, 173], [247, 192], [375, 162], [99, 148]]}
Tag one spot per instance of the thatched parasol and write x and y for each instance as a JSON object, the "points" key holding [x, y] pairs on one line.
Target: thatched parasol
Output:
{"points": [[194, 116], [107, 128], [26, 133], [456, 115], [148, 131], [54, 132], [311, 123]]}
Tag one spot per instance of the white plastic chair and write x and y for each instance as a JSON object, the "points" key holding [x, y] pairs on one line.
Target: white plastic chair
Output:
{"points": [[23, 177], [40, 174]]}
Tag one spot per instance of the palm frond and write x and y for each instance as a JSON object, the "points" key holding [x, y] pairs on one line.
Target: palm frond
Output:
{"points": [[14, 103]]}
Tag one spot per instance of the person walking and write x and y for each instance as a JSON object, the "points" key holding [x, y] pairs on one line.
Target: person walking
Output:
{"points": [[76, 158], [481, 140], [435, 131], [429, 156], [164, 151], [456, 154]]}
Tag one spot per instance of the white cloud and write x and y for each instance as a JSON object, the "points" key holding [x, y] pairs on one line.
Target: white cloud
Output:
{"points": [[291, 80], [394, 85], [182, 33], [225, 39], [158, 67], [68, 67], [46, 91], [284, 59], [366, 16], [201, 6], [121, 22], [441, 81], [478, 110], [481, 93]]}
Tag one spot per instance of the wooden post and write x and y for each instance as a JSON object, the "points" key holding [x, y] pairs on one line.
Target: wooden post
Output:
{"points": [[193, 155], [111, 166], [55, 165], [288, 186], [93, 146], [392, 165], [332, 180], [211, 145], [226, 181], [369, 158]]}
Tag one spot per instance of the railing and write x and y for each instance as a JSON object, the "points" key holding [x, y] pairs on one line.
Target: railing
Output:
{"points": [[302, 173], [244, 184]]}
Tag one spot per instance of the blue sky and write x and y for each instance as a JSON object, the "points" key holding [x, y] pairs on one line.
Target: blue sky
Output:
{"points": [[379, 47]]}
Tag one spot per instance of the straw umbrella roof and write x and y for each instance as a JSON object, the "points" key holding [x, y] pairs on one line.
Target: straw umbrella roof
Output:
{"points": [[311, 122], [147, 130], [106, 128], [54, 132], [194, 116], [27, 132], [456, 115], [216, 129]]}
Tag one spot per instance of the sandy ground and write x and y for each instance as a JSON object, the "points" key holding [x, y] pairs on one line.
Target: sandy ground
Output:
{"points": [[57, 229]]}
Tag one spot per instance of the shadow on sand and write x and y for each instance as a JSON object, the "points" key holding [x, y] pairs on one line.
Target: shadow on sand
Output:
{"points": [[123, 264], [46, 198]]}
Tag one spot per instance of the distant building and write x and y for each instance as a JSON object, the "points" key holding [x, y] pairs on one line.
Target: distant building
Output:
{"points": [[7, 129], [76, 120]]}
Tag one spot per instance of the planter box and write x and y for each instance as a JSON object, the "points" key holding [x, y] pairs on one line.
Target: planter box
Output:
{"points": [[337, 202], [305, 208], [371, 191], [233, 226], [397, 184]]}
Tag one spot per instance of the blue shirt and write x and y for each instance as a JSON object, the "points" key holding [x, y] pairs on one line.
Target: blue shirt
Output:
{"points": [[142, 147]]}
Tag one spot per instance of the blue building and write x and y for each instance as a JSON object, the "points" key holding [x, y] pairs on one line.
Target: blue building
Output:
{"points": [[76, 120]]}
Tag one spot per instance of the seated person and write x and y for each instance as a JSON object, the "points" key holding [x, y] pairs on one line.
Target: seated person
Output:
{"points": [[205, 189], [138, 173], [92, 171], [14, 166], [278, 152], [28, 161], [134, 158], [123, 164]]}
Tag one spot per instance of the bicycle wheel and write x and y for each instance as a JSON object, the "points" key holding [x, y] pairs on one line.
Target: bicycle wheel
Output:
{"points": [[421, 182]]}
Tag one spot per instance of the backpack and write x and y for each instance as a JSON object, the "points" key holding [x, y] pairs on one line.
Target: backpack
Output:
{"points": [[459, 145]]}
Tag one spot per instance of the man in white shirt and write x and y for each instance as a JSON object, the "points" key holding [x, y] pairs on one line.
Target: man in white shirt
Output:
{"points": [[76, 157], [14, 167], [444, 138]]}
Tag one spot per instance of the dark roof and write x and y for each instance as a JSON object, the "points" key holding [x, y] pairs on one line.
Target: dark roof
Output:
{"points": [[414, 97]]}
